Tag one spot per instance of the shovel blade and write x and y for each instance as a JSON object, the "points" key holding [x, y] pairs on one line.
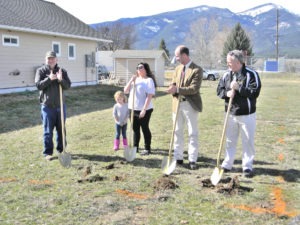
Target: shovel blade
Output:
{"points": [[168, 165], [130, 153], [216, 176], [65, 159]]}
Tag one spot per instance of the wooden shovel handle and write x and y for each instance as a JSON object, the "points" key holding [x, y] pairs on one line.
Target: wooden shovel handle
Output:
{"points": [[224, 130], [62, 117]]}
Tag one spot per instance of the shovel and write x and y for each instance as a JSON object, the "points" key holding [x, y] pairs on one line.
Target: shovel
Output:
{"points": [[64, 157], [218, 171], [168, 164], [130, 151]]}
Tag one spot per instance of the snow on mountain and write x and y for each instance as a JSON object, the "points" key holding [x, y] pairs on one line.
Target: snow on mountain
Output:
{"points": [[201, 9], [167, 20], [259, 10], [259, 22], [154, 29]]}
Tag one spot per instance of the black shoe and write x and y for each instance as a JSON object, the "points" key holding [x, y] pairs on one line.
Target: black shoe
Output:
{"points": [[192, 165], [179, 161], [248, 173], [226, 170], [145, 152]]}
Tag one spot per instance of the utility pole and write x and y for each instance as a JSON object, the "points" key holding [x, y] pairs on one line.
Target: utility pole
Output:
{"points": [[277, 34]]}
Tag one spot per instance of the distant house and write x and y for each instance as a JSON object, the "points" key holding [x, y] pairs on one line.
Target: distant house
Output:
{"points": [[29, 28], [125, 62]]}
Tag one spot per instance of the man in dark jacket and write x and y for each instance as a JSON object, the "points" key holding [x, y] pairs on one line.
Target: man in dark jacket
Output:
{"points": [[243, 85], [48, 78]]}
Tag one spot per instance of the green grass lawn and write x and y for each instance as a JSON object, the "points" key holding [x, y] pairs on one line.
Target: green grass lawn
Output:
{"points": [[35, 191]]}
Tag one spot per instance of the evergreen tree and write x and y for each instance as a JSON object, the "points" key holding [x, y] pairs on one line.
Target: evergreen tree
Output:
{"points": [[237, 39], [162, 46]]}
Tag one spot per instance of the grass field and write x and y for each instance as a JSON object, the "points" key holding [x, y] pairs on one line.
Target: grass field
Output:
{"points": [[102, 188]]}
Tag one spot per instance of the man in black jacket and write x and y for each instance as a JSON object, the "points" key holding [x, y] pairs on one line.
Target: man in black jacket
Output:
{"points": [[243, 85], [47, 79]]}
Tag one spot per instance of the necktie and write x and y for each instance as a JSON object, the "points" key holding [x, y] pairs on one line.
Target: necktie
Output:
{"points": [[182, 76]]}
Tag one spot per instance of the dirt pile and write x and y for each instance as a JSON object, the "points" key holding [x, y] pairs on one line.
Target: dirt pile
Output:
{"points": [[228, 185], [164, 183], [91, 179]]}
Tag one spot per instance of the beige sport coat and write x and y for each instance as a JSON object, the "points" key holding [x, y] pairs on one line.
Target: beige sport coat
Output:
{"points": [[190, 90]]}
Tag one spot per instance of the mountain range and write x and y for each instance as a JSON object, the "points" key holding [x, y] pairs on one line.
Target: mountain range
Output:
{"points": [[259, 22]]}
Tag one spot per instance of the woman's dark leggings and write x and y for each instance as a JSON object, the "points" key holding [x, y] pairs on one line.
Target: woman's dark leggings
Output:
{"points": [[144, 124]]}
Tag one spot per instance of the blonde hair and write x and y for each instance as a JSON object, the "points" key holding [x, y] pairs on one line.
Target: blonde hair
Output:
{"points": [[119, 94]]}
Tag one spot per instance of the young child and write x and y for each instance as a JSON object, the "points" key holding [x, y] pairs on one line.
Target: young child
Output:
{"points": [[120, 114]]}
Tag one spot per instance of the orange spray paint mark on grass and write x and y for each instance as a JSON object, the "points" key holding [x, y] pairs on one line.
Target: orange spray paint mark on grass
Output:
{"points": [[280, 179], [280, 157], [279, 207], [280, 204], [7, 179], [281, 141], [47, 182], [131, 194]]}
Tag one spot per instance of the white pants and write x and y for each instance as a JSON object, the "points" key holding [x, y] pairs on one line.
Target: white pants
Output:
{"points": [[189, 115], [244, 125]]}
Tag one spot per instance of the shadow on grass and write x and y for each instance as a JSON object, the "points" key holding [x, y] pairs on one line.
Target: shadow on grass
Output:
{"points": [[290, 175], [22, 110], [97, 158], [140, 161], [144, 161], [256, 162]]}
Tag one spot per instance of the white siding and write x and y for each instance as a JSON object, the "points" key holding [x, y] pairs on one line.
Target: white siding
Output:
{"points": [[125, 68], [30, 54]]}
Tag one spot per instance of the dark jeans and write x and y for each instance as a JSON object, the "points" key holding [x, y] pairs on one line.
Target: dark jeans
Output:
{"points": [[143, 123], [120, 129], [51, 119]]}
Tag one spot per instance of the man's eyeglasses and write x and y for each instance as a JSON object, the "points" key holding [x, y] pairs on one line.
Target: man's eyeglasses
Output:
{"points": [[140, 67]]}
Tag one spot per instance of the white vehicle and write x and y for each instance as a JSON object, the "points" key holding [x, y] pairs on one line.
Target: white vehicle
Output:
{"points": [[210, 75]]}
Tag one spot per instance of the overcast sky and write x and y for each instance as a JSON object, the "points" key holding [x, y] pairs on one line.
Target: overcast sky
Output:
{"points": [[96, 11]]}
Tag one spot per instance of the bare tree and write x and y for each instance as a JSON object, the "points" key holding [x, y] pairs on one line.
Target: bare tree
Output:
{"points": [[206, 42], [123, 36]]}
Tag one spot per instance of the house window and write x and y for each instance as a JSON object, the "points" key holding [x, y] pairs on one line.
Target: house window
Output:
{"points": [[8, 40], [56, 48], [71, 51]]}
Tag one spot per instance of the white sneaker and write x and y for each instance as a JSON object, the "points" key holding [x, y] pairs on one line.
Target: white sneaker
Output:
{"points": [[48, 157]]}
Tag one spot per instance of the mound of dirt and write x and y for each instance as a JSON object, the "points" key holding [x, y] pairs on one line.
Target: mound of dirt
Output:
{"points": [[91, 179], [118, 178], [84, 170], [110, 166], [164, 183], [228, 185]]}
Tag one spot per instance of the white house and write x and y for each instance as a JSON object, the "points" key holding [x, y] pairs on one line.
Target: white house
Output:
{"points": [[30, 28]]}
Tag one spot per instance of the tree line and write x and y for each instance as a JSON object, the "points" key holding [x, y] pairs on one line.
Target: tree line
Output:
{"points": [[208, 43]]}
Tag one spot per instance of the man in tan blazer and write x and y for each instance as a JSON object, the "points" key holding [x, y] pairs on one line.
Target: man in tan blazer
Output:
{"points": [[185, 89]]}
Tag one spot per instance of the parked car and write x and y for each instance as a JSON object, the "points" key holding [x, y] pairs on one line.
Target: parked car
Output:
{"points": [[210, 75], [102, 72]]}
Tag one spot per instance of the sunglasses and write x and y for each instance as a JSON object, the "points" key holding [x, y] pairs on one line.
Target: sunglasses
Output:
{"points": [[140, 67]]}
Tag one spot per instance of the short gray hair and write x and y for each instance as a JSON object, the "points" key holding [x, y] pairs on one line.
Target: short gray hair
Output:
{"points": [[237, 54]]}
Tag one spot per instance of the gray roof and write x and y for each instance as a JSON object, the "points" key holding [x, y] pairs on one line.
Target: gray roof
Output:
{"points": [[146, 54], [38, 16]]}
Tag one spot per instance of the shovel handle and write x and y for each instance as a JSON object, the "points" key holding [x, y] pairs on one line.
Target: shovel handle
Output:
{"points": [[131, 116], [62, 117], [175, 120], [224, 130], [173, 130]]}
